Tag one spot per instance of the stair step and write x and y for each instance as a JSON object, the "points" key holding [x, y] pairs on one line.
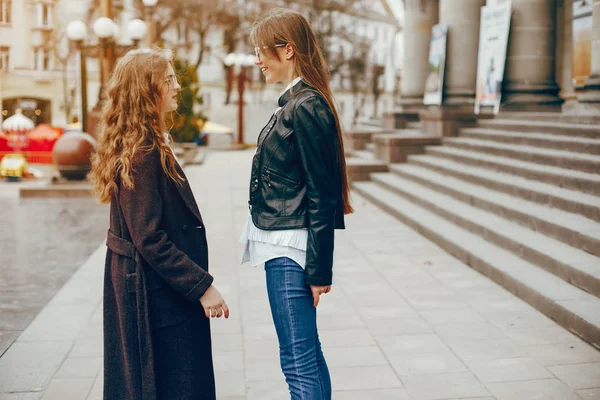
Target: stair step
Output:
{"points": [[369, 122], [577, 180], [358, 137], [570, 306], [551, 127], [564, 159], [573, 229], [360, 169], [556, 142], [532, 190], [364, 155]]}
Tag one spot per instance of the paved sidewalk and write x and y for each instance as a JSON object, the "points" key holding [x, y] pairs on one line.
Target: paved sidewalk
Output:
{"points": [[404, 320]]}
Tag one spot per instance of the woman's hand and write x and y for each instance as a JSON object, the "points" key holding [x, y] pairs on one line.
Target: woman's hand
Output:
{"points": [[213, 303], [317, 291]]}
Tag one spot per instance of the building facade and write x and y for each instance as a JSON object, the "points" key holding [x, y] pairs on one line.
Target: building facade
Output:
{"points": [[38, 66], [539, 73]]}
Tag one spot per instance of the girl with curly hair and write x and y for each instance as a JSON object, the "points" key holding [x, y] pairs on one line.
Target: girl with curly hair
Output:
{"points": [[158, 294]]}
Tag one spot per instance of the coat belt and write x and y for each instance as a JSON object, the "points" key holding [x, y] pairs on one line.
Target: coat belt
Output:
{"points": [[126, 249], [120, 246]]}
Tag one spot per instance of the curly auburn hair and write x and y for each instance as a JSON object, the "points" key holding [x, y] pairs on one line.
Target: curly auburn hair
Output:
{"points": [[132, 121]]}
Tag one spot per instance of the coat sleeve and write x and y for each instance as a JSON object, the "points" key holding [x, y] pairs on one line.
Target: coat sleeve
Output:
{"points": [[142, 210], [314, 130]]}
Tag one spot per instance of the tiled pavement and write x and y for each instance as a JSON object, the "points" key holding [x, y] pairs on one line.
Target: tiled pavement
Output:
{"points": [[404, 321]]}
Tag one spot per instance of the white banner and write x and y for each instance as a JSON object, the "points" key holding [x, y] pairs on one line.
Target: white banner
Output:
{"points": [[583, 27], [434, 84], [493, 41]]}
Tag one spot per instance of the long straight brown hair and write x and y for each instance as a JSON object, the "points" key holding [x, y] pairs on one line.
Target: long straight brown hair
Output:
{"points": [[290, 27]]}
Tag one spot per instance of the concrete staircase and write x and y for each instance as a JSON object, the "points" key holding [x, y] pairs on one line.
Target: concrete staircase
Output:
{"points": [[360, 159], [517, 200]]}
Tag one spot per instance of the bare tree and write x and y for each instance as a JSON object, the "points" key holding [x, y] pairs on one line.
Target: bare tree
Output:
{"points": [[195, 20], [356, 73], [377, 72], [62, 56], [324, 17]]}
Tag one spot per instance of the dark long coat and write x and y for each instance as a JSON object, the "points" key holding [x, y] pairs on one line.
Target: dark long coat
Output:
{"points": [[156, 335]]}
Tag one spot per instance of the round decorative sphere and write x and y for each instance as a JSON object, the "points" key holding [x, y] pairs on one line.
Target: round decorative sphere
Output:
{"points": [[104, 28], [249, 60], [230, 59], [136, 29], [72, 153], [150, 3], [76, 30], [240, 59]]}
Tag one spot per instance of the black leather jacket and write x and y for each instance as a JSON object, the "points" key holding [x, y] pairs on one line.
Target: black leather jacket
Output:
{"points": [[296, 179]]}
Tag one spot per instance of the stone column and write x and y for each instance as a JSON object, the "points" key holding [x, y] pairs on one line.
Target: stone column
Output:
{"points": [[462, 18], [419, 17], [589, 96], [530, 75], [564, 57]]}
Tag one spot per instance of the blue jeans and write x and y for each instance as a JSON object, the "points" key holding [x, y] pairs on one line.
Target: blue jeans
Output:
{"points": [[295, 319]]}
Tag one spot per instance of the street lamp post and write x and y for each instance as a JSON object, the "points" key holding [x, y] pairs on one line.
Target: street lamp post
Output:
{"points": [[106, 31], [77, 32], [240, 60], [137, 29], [148, 15]]}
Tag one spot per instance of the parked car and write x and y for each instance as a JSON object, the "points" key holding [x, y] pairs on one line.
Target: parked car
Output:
{"points": [[13, 167]]}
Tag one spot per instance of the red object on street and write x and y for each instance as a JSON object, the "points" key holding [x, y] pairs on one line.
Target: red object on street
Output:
{"points": [[43, 137], [4, 143], [36, 145]]}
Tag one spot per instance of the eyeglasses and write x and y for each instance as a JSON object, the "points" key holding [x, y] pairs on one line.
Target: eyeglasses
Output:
{"points": [[259, 50], [171, 80]]}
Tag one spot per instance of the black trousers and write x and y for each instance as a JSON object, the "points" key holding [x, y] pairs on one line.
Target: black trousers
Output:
{"points": [[183, 359]]}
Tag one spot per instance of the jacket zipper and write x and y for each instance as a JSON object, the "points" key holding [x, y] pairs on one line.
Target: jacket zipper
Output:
{"points": [[271, 122]]}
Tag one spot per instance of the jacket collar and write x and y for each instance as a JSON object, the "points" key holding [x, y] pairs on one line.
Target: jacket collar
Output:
{"points": [[290, 93]]}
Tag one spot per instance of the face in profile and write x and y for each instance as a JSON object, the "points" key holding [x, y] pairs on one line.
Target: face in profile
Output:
{"points": [[275, 69], [171, 90]]}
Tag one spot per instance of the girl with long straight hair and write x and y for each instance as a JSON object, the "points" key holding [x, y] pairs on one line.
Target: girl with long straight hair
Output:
{"points": [[158, 294], [299, 194]]}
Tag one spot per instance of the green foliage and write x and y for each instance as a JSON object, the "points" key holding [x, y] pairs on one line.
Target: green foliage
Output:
{"points": [[186, 122]]}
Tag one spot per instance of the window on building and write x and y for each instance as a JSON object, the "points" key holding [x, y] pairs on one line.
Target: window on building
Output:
{"points": [[46, 59], [36, 56], [5, 11], [4, 54], [44, 15], [41, 59]]}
